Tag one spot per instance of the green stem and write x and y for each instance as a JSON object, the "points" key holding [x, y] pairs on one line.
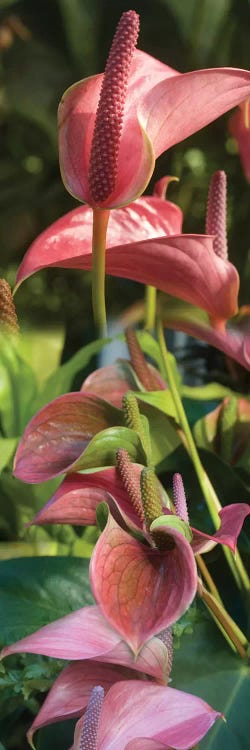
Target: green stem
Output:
{"points": [[227, 623], [213, 503], [150, 304], [100, 224]]}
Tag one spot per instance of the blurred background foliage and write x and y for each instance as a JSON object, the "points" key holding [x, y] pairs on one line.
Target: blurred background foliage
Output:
{"points": [[47, 45]]}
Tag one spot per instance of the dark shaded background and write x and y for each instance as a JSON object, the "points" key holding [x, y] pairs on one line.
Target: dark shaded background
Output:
{"points": [[45, 46]]}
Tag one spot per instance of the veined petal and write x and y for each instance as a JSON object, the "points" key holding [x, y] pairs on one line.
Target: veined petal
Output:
{"points": [[232, 518], [70, 692], [184, 265], [58, 434], [133, 710], [68, 240], [76, 499], [86, 634], [141, 590], [182, 105]]}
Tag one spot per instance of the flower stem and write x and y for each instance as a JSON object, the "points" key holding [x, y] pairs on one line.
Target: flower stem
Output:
{"points": [[213, 503], [150, 307], [208, 578], [100, 224], [225, 621]]}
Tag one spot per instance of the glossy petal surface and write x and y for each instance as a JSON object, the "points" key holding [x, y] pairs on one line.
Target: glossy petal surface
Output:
{"points": [[232, 518], [162, 108], [69, 239], [182, 105], [182, 265], [70, 692], [76, 119], [77, 498], [86, 634], [58, 434], [134, 710], [140, 590]]}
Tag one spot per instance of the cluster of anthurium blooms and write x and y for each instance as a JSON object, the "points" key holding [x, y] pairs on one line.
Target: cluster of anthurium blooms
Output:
{"points": [[143, 570]]}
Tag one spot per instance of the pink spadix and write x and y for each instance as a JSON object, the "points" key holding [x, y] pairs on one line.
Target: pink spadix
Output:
{"points": [[217, 213], [180, 502], [86, 739], [109, 116]]}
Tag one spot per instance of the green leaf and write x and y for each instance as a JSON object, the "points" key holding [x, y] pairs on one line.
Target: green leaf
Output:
{"points": [[101, 451], [208, 392], [42, 349], [200, 22], [205, 667], [7, 447], [173, 522], [163, 433], [161, 400], [17, 388], [81, 22], [60, 381], [34, 592]]}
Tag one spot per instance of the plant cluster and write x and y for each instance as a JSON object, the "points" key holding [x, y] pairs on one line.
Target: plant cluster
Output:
{"points": [[110, 442]]}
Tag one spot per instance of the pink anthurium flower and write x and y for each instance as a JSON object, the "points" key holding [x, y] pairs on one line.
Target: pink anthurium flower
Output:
{"points": [[113, 126], [137, 716], [142, 590], [195, 322], [239, 127], [87, 634], [69, 694], [77, 498], [139, 247]]}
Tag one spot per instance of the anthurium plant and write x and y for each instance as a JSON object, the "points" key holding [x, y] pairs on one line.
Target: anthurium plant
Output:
{"points": [[147, 646]]}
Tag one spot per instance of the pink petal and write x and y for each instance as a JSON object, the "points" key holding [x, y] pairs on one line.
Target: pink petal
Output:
{"points": [[85, 634], [185, 265], [231, 342], [69, 239], [140, 590], [232, 519], [76, 499], [238, 129], [76, 118], [145, 744], [56, 437], [133, 710], [111, 382], [70, 692], [182, 105]]}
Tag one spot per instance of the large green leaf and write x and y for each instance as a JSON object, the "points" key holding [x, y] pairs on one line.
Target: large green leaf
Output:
{"points": [[206, 667], [34, 592]]}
